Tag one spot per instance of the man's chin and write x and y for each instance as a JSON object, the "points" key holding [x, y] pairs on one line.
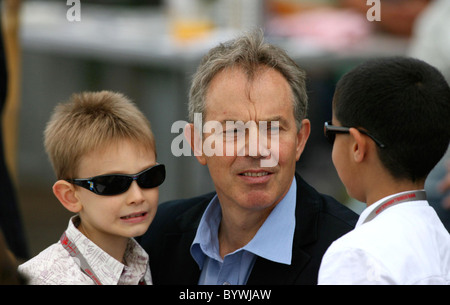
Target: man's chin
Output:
{"points": [[258, 200]]}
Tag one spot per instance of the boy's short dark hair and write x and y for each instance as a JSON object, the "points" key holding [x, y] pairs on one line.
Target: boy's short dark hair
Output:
{"points": [[404, 103]]}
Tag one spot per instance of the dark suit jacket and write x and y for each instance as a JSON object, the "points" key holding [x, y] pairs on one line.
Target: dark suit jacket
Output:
{"points": [[320, 220]]}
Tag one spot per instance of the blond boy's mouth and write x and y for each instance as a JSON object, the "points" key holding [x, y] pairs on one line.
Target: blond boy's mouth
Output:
{"points": [[135, 215]]}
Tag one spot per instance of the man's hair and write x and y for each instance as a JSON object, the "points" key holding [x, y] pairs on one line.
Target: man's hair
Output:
{"points": [[249, 52], [91, 121], [405, 104]]}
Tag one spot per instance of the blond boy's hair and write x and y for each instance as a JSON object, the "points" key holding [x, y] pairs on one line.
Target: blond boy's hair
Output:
{"points": [[91, 121]]}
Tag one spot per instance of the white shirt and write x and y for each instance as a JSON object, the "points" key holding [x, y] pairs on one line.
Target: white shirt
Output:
{"points": [[405, 244], [55, 266]]}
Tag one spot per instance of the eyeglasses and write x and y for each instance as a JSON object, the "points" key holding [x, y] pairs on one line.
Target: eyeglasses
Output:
{"points": [[331, 131], [116, 184]]}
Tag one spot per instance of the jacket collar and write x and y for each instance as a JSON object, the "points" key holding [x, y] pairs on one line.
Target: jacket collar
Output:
{"points": [[307, 217]]}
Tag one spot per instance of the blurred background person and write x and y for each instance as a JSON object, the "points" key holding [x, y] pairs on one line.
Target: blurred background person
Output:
{"points": [[8, 266], [444, 186], [397, 16], [431, 43], [10, 216]]}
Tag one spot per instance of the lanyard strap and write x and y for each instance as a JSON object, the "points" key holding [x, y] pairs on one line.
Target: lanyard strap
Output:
{"points": [[84, 266], [74, 252], [404, 197]]}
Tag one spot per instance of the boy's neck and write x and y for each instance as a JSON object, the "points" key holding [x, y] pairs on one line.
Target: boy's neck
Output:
{"points": [[389, 187]]}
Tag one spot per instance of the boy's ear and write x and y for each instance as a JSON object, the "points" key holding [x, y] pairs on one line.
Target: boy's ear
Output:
{"points": [[65, 192], [195, 141], [359, 146]]}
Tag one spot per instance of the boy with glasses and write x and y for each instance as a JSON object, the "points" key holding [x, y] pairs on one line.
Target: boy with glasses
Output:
{"points": [[103, 152], [390, 127]]}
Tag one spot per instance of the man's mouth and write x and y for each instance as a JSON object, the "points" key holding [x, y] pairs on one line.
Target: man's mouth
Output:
{"points": [[252, 174]]}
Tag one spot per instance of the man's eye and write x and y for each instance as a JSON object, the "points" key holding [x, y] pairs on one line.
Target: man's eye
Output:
{"points": [[233, 131]]}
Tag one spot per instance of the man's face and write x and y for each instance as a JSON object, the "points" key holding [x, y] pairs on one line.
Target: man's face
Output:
{"points": [[241, 182]]}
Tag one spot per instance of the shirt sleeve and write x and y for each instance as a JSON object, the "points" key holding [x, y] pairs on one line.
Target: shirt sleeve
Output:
{"points": [[53, 266], [349, 266]]}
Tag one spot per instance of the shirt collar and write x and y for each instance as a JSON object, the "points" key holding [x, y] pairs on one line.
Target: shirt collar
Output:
{"points": [[278, 229], [367, 211], [108, 269]]}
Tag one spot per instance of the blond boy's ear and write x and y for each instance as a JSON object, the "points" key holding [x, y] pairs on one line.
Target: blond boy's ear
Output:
{"points": [[65, 192], [195, 141]]}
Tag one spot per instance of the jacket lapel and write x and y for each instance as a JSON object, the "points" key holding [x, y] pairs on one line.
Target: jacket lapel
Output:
{"points": [[177, 245], [266, 272], [306, 213], [182, 266]]}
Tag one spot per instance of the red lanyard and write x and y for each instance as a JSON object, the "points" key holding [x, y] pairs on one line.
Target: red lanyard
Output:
{"points": [[401, 198], [74, 252], [84, 266]]}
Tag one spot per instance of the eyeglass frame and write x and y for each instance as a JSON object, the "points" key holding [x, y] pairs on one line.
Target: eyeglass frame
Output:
{"points": [[329, 128]]}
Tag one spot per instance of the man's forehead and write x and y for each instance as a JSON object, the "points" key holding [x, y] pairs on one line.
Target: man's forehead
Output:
{"points": [[269, 119], [231, 98]]}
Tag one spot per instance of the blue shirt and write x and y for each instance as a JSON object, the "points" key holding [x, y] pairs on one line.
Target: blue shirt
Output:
{"points": [[273, 241]]}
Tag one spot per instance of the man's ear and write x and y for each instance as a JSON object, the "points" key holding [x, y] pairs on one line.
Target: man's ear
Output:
{"points": [[302, 137], [65, 192], [194, 139], [359, 146]]}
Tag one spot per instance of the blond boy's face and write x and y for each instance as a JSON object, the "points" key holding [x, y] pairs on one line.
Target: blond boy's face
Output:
{"points": [[105, 218]]}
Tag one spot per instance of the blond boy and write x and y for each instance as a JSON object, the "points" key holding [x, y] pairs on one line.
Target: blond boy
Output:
{"points": [[103, 153]]}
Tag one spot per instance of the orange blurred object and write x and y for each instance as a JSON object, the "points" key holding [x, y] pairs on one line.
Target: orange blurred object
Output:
{"points": [[289, 7], [184, 30]]}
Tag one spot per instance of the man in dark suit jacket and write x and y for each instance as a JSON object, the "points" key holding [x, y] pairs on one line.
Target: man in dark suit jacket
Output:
{"points": [[320, 220], [264, 224]]}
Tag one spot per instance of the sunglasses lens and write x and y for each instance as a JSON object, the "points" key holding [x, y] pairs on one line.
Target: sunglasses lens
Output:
{"points": [[153, 177], [118, 184], [112, 185]]}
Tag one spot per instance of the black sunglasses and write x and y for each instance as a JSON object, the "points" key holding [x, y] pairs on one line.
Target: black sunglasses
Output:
{"points": [[116, 184], [330, 132]]}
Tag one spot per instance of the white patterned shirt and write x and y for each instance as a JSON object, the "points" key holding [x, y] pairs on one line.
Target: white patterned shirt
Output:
{"points": [[55, 266]]}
